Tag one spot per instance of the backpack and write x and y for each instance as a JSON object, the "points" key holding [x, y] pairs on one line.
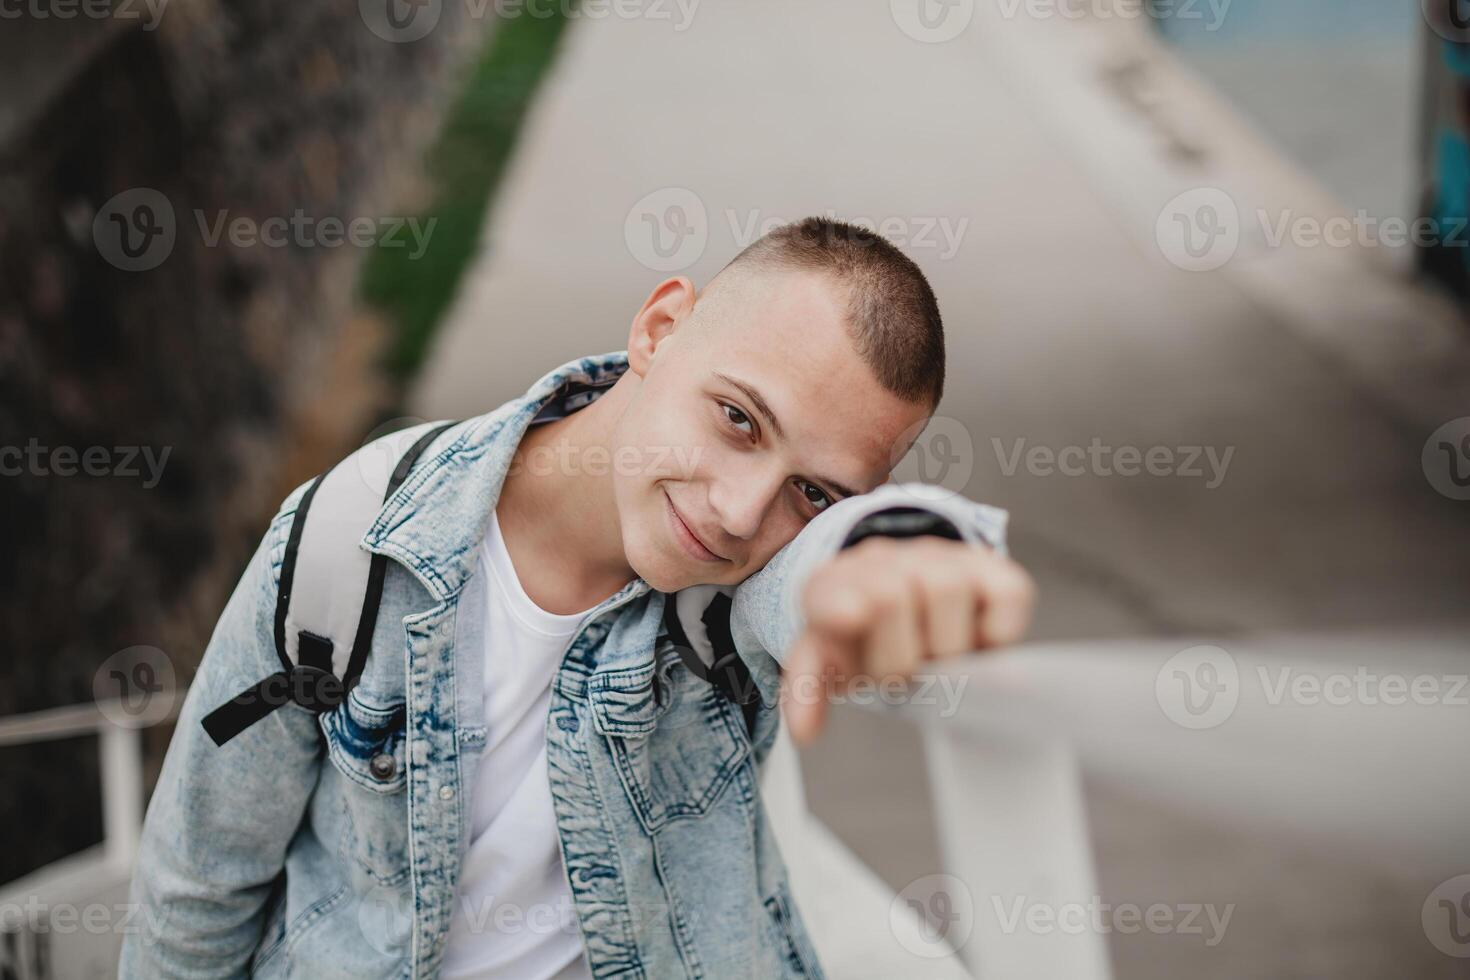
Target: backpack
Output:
{"points": [[330, 590]]}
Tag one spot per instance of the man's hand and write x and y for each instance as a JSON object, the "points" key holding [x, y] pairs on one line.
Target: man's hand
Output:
{"points": [[885, 605]]}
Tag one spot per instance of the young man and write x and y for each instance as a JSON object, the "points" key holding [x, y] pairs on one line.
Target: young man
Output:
{"points": [[548, 768]]}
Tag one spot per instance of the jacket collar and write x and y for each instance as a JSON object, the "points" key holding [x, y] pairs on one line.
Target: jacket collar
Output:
{"points": [[434, 522]]}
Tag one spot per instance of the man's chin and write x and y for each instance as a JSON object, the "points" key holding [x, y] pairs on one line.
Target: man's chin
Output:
{"points": [[666, 572]]}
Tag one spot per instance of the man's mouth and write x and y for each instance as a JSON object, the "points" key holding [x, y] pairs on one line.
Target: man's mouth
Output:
{"points": [[688, 540]]}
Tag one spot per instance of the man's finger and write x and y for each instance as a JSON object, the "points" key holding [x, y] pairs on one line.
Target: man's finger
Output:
{"points": [[895, 643], [804, 689], [1008, 595], [948, 611]]}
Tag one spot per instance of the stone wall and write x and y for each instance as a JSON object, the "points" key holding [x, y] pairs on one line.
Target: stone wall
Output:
{"points": [[248, 365]]}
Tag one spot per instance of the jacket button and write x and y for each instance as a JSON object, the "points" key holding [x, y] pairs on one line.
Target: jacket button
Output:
{"points": [[383, 767], [446, 792]]}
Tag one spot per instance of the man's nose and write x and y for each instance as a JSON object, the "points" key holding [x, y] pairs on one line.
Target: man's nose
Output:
{"points": [[741, 501]]}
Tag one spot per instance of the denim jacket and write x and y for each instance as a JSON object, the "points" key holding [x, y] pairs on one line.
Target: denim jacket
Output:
{"points": [[270, 857]]}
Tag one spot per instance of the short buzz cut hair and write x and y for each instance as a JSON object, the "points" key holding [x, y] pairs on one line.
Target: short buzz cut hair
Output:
{"points": [[893, 317]]}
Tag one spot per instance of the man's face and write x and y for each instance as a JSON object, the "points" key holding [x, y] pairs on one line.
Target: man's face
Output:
{"points": [[752, 414]]}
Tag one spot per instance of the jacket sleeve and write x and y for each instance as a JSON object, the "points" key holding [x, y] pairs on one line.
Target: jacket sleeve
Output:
{"points": [[765, 613], [221, 817]]}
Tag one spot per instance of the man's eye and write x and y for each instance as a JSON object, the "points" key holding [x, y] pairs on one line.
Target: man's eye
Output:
{"points": [[738, 417], [822, 500]]}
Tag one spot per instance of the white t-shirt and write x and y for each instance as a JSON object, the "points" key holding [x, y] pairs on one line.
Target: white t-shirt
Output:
{"points": [[513, 914]]}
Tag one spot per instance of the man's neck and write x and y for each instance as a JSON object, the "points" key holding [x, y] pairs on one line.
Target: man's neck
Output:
{"points": [[558, 514]]}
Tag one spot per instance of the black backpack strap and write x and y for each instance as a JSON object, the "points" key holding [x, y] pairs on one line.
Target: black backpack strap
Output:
{"points": [[318, 664], [726, 672]]}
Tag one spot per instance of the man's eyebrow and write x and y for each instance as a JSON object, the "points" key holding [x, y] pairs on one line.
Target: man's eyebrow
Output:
{"points": [[760, 406]]}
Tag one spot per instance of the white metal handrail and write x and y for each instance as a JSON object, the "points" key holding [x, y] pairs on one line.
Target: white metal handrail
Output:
{"points": [[1321, 736], [81, 879]]}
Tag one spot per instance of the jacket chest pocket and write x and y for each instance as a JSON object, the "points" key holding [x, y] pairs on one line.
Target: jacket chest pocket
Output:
{"points": [[676, 741], [366, 743]]}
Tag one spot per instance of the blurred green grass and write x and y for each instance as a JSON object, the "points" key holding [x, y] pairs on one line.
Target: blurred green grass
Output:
{"points": [[464, 166]]}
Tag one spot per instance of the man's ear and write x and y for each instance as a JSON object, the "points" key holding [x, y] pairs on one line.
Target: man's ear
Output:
{"points": [[667, 306]]}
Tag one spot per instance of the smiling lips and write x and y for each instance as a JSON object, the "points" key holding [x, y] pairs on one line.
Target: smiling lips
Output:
{"points": [[688, 540]]}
